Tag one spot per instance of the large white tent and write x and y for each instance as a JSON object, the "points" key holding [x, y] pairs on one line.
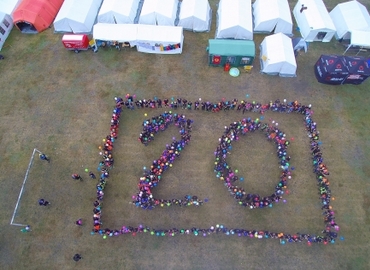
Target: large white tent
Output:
{"points": [[160, 12], [8, 6], [116, 32], [118, 11], [77, 16], [6, 25], [195, 15], [350, 16], [272, 16], [314, 21], [277, 56], [159, 39], [234, 19]]}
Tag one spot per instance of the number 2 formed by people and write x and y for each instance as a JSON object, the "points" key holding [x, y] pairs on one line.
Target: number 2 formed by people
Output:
{"points": [[144, 198]]}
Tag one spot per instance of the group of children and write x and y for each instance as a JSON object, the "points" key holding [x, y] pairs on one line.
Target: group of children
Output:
{"points": [[151, 177], [107, 161], [226, 173]]}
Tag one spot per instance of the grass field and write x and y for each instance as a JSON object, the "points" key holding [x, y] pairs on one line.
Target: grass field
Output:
{"points": [[61, 102]]}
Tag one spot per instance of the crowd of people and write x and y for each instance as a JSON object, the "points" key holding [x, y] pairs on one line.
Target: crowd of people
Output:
{"points": [[152, 176], [228, 175], [144, 198]]}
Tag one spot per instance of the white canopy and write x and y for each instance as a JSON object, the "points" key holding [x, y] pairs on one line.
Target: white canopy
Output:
{"points": [[195, 15], [8, 6], [151, 38], [350, 16], [314, 21], [118, 11], [116, 32], [6, 25], [234, 19], [360, 38], [272, 16], [160, 12], [277, 56], [77, 16]]}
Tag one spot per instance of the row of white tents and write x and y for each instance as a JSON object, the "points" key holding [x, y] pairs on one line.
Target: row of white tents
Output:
{"points": [[349, 20], [235, 18], [79, 16]]}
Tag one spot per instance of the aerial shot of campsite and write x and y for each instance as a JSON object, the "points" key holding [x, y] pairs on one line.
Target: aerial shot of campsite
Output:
{"points": [[185, 134]]}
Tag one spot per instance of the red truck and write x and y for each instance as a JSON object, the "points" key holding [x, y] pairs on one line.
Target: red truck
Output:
{"points": [[76, 43]]}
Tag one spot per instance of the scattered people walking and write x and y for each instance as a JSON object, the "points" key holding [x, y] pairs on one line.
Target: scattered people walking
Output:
{"points": [[44, 157], [77, 257], [79, 222], [92, 175], [76, 176], [43, 202]]}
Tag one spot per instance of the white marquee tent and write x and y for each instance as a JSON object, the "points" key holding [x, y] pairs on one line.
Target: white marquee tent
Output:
{"points": [[116, 32], [195, 15], [118, 11], [277, 56], [8, 6], [234, 19], [160, 39], [314, 21], [350, 16], [160, 12], [272, 16], [6, 25], [77, 16]]}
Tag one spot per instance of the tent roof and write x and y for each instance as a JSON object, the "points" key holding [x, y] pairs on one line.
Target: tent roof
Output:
{"points": [[77, 16], [360, 38], [159, 33], [231, 47], [76, 10], [195, 15], [115, 32], [277, 55], [316, 14], [8, 6], [118, 11], [40, 13], [350, 16], [272, 10], [279, 48], [194, 8], [154, 9], [357, 65], [235, 19], [333, 64]]}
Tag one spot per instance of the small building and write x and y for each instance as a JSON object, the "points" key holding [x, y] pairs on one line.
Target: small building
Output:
{"points": [[235, 52]]}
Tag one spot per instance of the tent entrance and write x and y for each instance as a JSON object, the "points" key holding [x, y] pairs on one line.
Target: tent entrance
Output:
{"points": [[320, 36], [27, 28]]}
